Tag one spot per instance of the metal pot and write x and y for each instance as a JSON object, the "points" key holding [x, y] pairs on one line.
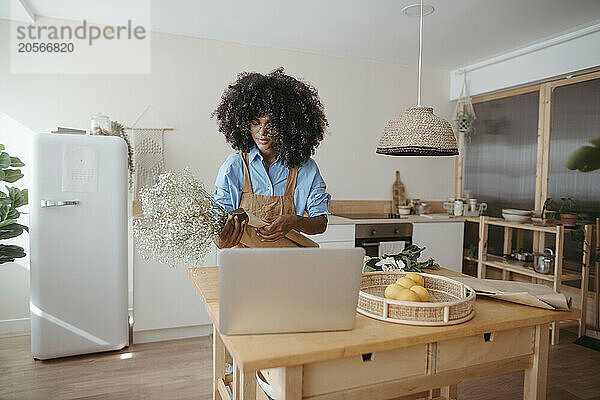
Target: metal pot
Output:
{"points": [[522, 256], [544, 262]]}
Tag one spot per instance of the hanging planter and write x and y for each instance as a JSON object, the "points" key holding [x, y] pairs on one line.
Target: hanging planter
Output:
{"points": [[464, 114]]}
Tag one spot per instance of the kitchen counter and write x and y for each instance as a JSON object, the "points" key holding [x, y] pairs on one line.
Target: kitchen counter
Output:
{"points": [[338, 220]]}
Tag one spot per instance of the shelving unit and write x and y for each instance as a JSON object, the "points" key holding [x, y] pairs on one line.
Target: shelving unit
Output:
{"points": [[485, 260]]}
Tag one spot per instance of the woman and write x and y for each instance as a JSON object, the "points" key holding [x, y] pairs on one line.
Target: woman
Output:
{"points": [[275, 122]]}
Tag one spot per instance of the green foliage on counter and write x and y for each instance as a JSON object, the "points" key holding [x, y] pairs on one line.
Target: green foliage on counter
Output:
{"points": [[406, 260], [10, 201]]}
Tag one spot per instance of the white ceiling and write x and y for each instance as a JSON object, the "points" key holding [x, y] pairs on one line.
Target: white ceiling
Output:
{"points": [[460, 32]]}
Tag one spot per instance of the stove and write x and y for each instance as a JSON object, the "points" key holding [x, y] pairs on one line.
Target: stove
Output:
{"points": [[370, 235]]}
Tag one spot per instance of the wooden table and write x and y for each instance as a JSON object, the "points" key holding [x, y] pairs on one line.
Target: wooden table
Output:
{"points": [[381, 360]]}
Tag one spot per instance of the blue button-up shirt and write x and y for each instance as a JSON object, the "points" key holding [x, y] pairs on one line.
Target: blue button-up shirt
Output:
{"points": [[309, 195]]}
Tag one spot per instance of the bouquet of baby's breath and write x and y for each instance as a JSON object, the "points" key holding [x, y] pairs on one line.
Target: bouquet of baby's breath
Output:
{"points": [[180, 219]]}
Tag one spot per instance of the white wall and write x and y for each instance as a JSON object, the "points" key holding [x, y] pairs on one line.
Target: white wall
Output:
{"points": [[564, 54], [187, 79]]}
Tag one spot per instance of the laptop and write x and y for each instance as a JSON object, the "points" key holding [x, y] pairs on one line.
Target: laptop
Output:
{"points": [[277, 290]]}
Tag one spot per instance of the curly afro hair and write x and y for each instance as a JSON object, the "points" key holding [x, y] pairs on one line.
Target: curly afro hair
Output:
{"points": [[293, 107]]}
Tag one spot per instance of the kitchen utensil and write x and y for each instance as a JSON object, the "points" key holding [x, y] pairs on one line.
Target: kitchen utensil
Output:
{"points": [[450, 302], [520, 255], [458, 208], [472, 205], [482, 207], [514, 215], [423, 208], [404, 210], [99, 124], [516, 218], [515, 211], [544, 262], [449, 207], [413, 203], [398, 192]]}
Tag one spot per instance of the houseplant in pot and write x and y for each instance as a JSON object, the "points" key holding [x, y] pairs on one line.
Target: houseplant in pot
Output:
{"points": [[565, 208], [10, 201]]}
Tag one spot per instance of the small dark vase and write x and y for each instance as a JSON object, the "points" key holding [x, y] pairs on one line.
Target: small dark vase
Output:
{"points": [[240, 213], [568, 219]]}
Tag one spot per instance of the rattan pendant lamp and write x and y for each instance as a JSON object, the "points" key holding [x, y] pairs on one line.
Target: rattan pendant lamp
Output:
{"points": [[418, 132]]}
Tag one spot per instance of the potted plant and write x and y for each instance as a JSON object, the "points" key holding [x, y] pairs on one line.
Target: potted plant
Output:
{"points": [[9, 202], [565, 208], [465, 122]]}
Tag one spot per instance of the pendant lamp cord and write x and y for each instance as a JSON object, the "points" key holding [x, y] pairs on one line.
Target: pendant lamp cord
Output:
{"points": [[420, 54]]}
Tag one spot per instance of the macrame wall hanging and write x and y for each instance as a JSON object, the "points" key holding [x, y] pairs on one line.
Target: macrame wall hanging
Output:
{"points": [[464, 114], [148, 153]]}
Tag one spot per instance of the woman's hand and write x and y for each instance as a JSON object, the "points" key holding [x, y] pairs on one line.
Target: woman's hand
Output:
{"points": [[232, 233], [278, 227]]}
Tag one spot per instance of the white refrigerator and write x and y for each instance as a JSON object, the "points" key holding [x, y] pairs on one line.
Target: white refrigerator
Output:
{"points": [[78, 245]]}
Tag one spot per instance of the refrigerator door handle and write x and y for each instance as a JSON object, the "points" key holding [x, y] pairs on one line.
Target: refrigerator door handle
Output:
{"points": [[49, 203]]}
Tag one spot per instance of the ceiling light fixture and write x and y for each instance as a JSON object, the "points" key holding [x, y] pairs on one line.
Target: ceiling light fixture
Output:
{"points": [[414, 10], [418, 132]]}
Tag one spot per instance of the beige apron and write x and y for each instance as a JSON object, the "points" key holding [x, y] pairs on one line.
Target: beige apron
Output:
{"points": [[266, 207]]}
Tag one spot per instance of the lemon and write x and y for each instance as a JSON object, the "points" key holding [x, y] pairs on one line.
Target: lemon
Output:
{"points": [[407, 295], [405, 282], [421, 292], [391, 292], [416, 278]]}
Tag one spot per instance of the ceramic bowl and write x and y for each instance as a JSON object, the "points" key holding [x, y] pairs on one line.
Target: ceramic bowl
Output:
{"points": [[514, 211], [515, 217], [404, 210]]}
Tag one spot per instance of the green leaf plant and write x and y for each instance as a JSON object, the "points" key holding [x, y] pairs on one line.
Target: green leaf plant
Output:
{"points": [[10, 201]]}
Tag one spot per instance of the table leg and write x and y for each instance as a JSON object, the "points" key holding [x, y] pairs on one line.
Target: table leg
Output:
{"points": [[482, 248], [536, 376], [290, 383], [450, 392], [218, 363], [244, 384], [558, 263]]}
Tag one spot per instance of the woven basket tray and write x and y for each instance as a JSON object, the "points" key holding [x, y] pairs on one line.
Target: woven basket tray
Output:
{"points": [[450, 302]]}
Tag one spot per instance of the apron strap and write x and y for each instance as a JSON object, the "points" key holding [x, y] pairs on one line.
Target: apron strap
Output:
{"points": [[247, 186], [290, 184]]}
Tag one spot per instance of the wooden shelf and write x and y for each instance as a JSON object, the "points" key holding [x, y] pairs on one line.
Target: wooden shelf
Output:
{"points": [[549, 228], [539, 242], [523, 269]]}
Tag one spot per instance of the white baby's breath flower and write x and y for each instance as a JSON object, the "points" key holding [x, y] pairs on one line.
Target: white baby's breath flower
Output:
{"points": [[180, 219]]}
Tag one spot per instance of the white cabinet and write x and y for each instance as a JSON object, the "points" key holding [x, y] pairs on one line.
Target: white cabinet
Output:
{"points": [[165, 303], [443, 241], [336, 236], [337, 245]]}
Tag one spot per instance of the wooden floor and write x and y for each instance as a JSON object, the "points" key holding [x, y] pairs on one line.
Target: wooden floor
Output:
{"points": [[181, 369]]}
